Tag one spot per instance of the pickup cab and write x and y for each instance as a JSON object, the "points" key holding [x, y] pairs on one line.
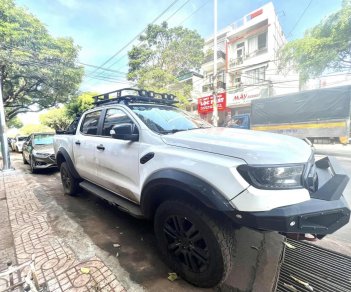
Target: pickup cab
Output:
{"points": [[198, 183]]}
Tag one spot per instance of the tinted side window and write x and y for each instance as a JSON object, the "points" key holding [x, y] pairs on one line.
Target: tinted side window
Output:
{"points": [[114, 117], [90, 123]]}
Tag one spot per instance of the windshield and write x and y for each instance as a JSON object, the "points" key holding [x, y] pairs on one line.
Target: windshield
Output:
{"points": [[22, 138], [167, 119], [43, 139]]}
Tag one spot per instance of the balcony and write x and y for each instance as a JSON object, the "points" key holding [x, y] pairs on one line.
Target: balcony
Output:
{"points": [[209, 58], [209, 87], [208, 62], [242, 61]]}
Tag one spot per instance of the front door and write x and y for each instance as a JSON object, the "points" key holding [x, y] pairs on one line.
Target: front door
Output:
{"points": [[118, 160], [84, 146]]}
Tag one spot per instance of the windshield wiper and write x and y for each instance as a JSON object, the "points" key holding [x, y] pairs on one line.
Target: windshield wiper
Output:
{"points": [[172, 131], [202, 127]]}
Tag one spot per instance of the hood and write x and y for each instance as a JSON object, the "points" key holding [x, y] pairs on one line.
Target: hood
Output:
{"points": [[252, 146], [49, 149]]}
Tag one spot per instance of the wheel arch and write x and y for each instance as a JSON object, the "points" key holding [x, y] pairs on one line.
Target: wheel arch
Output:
{"points": [[63, 156], [170, 183]]}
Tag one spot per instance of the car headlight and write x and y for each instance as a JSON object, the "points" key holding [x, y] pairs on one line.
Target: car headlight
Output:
{"points": [[273, 177], [40, 154]]}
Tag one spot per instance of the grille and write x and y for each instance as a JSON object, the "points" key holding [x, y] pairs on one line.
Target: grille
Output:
{"points": [[322, 269]]}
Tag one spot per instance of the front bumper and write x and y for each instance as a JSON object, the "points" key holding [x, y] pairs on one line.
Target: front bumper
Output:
{"points": [[326, 211], [44, 162]]}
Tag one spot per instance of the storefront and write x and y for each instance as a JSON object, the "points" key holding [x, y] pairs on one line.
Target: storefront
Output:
{"points": [[205, 107], [240, 102]]}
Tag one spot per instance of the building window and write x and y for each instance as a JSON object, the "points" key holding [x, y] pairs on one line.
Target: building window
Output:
{"points": [[235, 80], [240, 49], [257, 44], [255, 76], [262, 41]]}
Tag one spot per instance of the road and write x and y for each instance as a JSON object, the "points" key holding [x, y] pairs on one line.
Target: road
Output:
{"points": [[341, 240], [91, 226]]}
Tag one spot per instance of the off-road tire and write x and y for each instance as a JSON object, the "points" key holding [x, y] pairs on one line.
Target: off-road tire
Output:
{"points": [[69, 183], [216, 237], [24, 159]]}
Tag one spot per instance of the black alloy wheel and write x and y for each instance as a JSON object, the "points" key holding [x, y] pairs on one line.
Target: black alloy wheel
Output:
{"points": [[186, 243], [195, 244], [69, 183]]}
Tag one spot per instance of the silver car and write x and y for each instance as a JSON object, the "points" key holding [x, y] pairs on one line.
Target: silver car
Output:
{"points": [[38, 151]]}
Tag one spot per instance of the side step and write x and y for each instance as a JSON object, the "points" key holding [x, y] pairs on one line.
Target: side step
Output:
{"points": [[123, 204]]}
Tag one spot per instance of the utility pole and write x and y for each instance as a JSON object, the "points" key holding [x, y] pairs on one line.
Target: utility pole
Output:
{"points": [[3, 139], [215, 106]]}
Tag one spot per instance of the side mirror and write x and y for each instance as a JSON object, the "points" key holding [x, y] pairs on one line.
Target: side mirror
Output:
{"points": [[126, 131]]}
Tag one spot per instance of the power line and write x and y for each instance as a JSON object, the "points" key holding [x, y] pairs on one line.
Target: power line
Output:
{"points": [[174, 13], [191, 15], [188, 17], [299, 19], [104, 69], [136, 37]]}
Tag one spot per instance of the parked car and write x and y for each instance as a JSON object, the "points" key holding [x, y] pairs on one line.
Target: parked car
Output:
{"points": [[9, 142], [17, 143], [198, 183], [38, 151]]}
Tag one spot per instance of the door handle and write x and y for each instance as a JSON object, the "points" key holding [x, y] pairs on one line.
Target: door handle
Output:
{"points": [[77, 142], [100, 147]]}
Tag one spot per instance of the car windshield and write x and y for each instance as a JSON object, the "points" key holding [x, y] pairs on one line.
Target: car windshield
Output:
{"points": [[43, 139], [167, 119], [22, 138]]}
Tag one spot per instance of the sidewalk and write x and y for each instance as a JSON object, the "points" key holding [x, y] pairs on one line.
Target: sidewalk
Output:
{"points": [[25, 230]]}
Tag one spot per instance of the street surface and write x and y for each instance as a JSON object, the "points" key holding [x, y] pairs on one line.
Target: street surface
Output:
{"points": [[91, 226]]}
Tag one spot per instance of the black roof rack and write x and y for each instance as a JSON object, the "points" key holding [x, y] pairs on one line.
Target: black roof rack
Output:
{"points": [[132, 95]]}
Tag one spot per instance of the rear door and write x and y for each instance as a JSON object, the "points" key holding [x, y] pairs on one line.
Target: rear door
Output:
{"points": [[84, 146], [118, 160]]}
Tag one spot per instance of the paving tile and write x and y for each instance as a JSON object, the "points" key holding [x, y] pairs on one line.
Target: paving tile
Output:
{"points": [[56, 264]]}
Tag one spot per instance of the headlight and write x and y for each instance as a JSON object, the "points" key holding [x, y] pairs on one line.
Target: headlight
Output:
{"points": [[273, 177], [39, 154]]}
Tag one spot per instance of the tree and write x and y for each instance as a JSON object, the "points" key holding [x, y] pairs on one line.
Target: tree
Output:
{"points": [[56, 118], [165, 54], [34, 128], [324, 48], [38, 70], [15, 123], [80, 103]]}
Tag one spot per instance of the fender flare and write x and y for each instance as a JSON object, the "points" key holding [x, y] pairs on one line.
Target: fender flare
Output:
{"points": [[199, 189], [63, 152]]}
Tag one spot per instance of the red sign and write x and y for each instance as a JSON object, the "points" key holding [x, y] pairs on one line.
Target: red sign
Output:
{"points": [[205, 104]]}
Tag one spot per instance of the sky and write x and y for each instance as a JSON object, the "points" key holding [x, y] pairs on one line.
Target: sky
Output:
{"points": [[102, 28]]}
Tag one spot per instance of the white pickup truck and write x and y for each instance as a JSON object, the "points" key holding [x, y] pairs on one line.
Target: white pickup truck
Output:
{"points": [[196, 182]]}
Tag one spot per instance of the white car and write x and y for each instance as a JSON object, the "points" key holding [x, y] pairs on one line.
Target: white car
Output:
{"points": [[17, 143], [196, 182]]}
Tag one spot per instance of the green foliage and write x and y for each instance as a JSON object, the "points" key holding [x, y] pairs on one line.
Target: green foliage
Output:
{"points": [[15, 123], [33, 128], [38, 70], [165, 54], [325, 47], [56, 118], [80, 103]]}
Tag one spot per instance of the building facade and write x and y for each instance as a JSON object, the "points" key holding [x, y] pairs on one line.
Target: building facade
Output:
{"points": [[247, 62]]}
